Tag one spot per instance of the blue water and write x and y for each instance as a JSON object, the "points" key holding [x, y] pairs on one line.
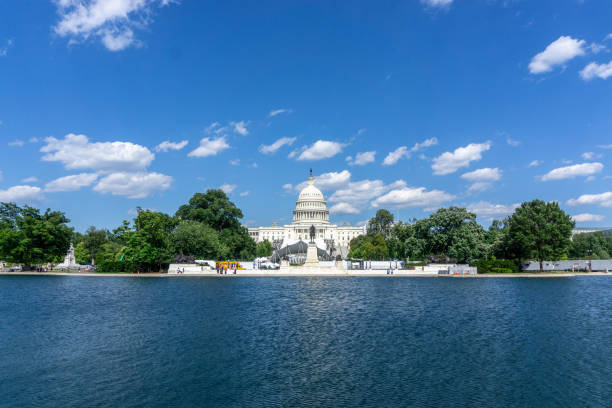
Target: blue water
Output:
{"points": [[281, 342]]}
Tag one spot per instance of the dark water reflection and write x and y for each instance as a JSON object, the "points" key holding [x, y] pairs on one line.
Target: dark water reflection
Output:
{"points": [[130, 342]]}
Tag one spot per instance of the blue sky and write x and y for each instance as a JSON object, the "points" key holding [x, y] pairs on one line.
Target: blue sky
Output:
{"points": [[407, 105]]}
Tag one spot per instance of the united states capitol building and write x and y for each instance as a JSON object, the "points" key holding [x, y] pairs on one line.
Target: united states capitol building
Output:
{"points": [[310, 210]]}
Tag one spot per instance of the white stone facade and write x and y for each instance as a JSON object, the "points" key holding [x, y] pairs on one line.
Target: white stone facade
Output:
{"points": [[310, 209]]}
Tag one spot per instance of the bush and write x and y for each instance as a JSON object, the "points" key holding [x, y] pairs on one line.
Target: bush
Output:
{"points": [[496, 266], [114, 266], [125, 266], [503, 270]]}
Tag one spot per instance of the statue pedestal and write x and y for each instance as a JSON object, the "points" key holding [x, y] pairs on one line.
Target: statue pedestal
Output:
{"points": [[312, 259]]}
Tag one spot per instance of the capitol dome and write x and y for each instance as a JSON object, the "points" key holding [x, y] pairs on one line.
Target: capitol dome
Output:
{"points": [[311, 206], [311, 193]]}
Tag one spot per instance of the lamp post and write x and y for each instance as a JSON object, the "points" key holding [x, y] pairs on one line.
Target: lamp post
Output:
{"points": [[589, 253]]}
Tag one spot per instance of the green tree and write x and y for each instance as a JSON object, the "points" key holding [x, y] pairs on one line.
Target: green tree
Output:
{"points": [[195, 238], [29, 237], [371, 247], [235, 243], [540, 230], [381, 223], [93, 240], [404, 242], [81, 255], [147, 242], [593, 245], [264, 248], [111, 252], [453, 232], [212, 208]]}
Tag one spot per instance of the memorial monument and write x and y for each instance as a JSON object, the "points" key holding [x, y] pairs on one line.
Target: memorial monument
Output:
{"points": [[312, 257], [69, 260]]}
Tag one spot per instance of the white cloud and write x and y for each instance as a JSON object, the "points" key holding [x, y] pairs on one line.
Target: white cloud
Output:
{"points": [[448, 162], [594, 70], [605, 146], [76, 152], [426, 143], [16, 143], [556, 53], [5, 48], [488, 211], [111, 21], [587, 217], [402, 151], [328, 181], [361, 131], [34, 140], [215, 128], [28, 180], [343, 208], [437, 3], [359, 193], [597, 48], [482, 179], [608, 37], [235, 162], [115, 40], [486, 174], [245, 193], [240, 127], [409, 197], [395, 156], [228, 188], [167, 145], [277, 112], [19, 194], [577, 170], [603, 199], [210, 147], [267, 149], [319, 150], [535, 163], [133, 185], [362, 158], [71, 183], [288, 187], [479, 186], [590, 155], [513, 142]]}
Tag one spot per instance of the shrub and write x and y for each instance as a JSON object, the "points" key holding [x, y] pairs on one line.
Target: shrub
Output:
{"points": [[502, 270], [496, 266]]}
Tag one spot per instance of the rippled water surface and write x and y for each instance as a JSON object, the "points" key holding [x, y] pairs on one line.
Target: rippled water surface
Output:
{"points": [[281, 342]]}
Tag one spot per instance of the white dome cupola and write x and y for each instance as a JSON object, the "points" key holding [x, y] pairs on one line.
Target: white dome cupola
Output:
{"points": [[310, 207]]}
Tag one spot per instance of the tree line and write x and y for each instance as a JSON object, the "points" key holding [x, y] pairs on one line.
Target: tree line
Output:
{"points": [[537, 230], [207, 227]]}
